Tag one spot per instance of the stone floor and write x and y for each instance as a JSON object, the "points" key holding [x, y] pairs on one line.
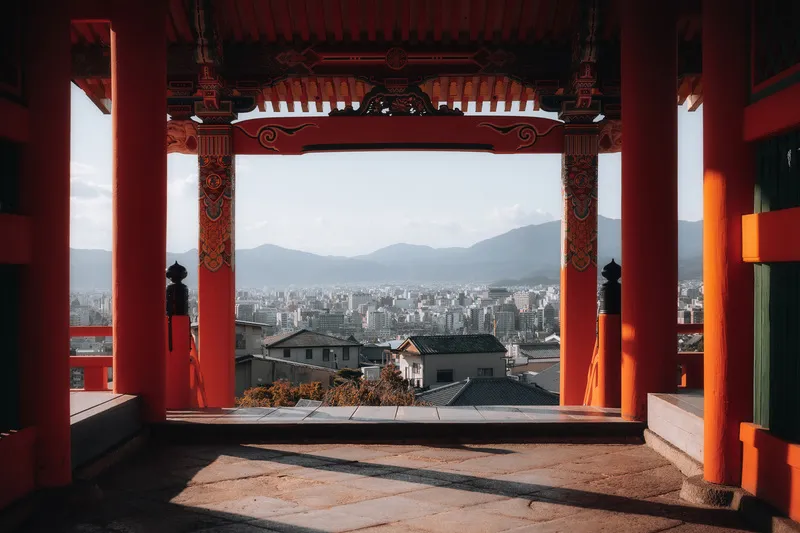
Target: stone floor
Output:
{"points": [[383, 489]]}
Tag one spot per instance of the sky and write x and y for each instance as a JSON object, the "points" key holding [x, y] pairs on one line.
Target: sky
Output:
{"points": [[355, 203]]}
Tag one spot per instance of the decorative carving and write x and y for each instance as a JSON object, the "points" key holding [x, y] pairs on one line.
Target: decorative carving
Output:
{"points": [[610, 140], [396, 58], [208, 50], [181, 137], [579, 186], [526, 133], [396, 101], [216, 177], [267, 135]]}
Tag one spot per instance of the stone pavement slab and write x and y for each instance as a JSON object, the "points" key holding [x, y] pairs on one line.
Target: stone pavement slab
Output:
{"points": [[323, 488]]}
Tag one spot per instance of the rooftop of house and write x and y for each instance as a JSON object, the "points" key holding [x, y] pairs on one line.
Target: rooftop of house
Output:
{"points": [[452, 344], [488, 391], [547, 351], [306, 339], [258, 357]]}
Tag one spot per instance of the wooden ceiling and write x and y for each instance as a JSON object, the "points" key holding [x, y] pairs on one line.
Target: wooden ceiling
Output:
{"points": [[364, 23]]}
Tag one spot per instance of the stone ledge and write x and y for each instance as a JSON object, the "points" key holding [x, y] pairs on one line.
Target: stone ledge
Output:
{"points": [[680, 459], [697, 490]]}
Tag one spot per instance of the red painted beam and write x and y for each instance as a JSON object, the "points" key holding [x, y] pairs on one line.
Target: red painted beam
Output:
{"points": [[91, 361], [771, 237], [91, 331], [689, 329], [298, 135]]}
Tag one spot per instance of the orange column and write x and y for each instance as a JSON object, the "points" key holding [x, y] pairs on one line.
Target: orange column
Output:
{"points": [[139, 189], [44, 195], [649, 203], [578, 314], [216, 281], [728, 183]]}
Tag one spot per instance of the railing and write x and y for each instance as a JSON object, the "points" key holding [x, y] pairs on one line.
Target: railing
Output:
{"points": [[690, 363], [95, 367]]}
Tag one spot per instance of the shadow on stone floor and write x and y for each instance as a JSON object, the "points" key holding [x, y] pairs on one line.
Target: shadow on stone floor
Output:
{"points": [[135, 496]]}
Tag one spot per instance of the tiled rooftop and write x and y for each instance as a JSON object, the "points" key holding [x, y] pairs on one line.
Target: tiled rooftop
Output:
{"points": [[384, 489], [444, 344], [488, 391]]}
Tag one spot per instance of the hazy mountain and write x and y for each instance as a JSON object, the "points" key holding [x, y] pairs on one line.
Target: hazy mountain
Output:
{"points": [[530, 254]]}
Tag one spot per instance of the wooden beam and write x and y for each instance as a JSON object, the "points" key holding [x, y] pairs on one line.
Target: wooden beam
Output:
{"points": [[772, 236]]}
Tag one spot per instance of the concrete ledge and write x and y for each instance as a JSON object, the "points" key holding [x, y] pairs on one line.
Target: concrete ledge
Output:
{"points": [[697, 490], [113, 456], [687, 465]]}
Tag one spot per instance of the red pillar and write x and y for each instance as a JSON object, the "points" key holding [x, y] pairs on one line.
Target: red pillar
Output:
{"points": [[649, 203], [139, 122], [578, 314], [728, 183], [45, 281], [216, 281]]}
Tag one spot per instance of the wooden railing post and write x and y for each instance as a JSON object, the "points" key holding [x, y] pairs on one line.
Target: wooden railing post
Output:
{"points": [[609, 340], [178, 339]]}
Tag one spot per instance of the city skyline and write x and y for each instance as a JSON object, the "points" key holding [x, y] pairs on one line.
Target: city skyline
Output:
{"points": [[349, 204]]}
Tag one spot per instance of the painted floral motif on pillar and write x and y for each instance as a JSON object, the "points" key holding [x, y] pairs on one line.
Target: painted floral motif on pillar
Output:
{"points": [[216, 187], [579, 187]]}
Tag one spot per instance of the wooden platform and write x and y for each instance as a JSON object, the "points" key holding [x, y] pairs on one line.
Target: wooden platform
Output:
{"points": [[100, 421], [400, 424]]}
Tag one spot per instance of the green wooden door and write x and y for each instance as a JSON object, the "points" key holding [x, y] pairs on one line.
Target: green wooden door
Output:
{"points": [[777, 297]]}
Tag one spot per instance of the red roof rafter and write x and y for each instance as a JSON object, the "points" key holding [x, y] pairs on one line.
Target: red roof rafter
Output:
{"points": [[266, 20], [354, 19], [388, 7], [372, 7], [281, 10], [405, 20], [177, 12], [247, 14], [335, 19]]}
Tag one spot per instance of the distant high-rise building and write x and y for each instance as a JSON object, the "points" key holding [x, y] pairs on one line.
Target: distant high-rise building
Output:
{"points": [[525, 300], [505, 323], [357, 299], [684, 316], [330, 322], [245, 311], [697, 315], [377, 320]]}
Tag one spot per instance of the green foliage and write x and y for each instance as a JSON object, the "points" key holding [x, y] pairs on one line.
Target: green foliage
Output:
{"points": [[280, 394]]}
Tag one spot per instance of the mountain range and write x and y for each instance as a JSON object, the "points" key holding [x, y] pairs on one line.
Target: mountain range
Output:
{"points": [[526, 255]]}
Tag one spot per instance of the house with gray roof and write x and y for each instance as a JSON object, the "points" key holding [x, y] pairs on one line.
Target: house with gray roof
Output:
{"points": [[488, 391], [313, 348], [435, 360]]}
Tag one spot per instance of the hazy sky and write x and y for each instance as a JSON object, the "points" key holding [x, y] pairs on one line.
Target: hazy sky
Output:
{"points": [[355, 203]]}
